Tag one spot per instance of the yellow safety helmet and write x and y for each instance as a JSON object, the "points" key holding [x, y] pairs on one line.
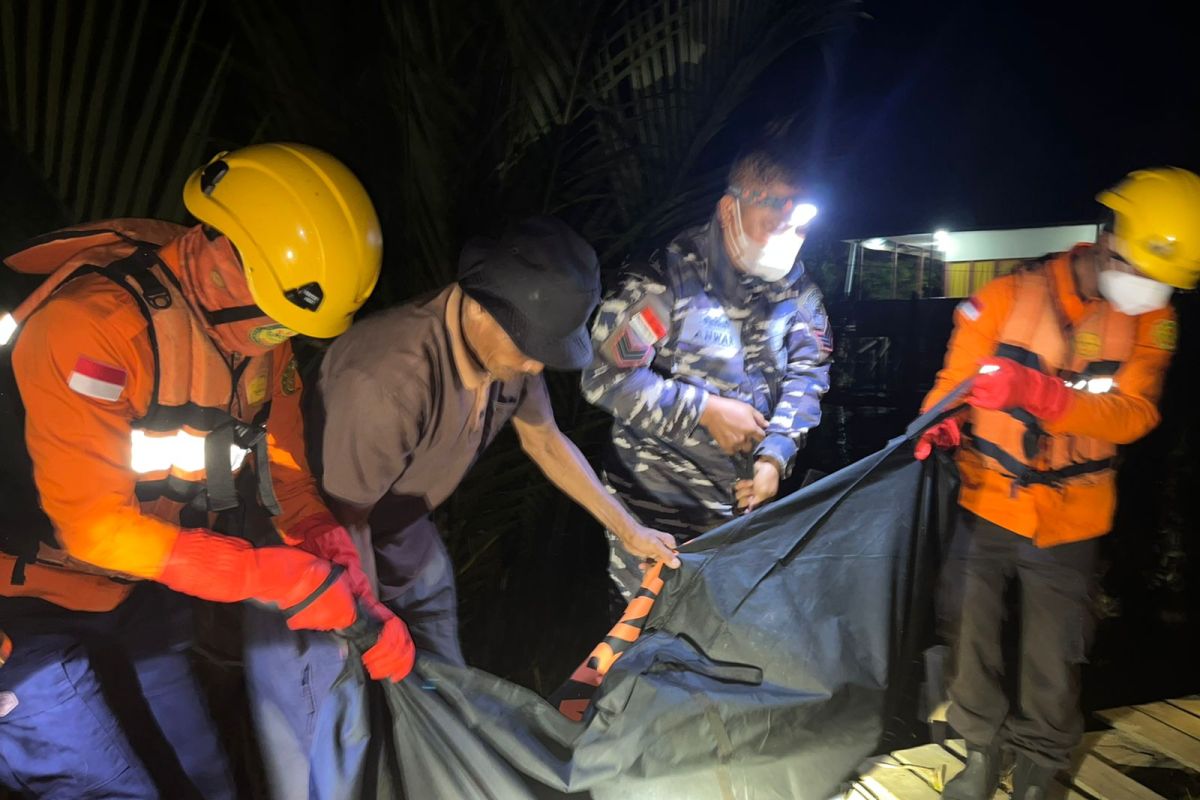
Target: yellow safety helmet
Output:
{"points": [[304, 226], [1157, 217]]}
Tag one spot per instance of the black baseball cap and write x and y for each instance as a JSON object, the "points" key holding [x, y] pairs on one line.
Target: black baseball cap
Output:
{"points": [[540, 281]]}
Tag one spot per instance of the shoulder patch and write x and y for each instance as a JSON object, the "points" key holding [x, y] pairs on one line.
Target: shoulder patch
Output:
{"points": [[97, 380], [271, 335], [1087, 345], [648, 326], [813, 303], [256, 390], [289, 381], [812, 299], [627, 352], [970, 308], [1165, 334], [632, 344]]}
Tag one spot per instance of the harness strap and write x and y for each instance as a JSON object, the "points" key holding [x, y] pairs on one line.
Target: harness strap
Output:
{"points": [[1024, 475]]}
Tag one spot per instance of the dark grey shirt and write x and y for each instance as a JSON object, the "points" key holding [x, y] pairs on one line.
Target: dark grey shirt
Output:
{"points": [[407, 411]]}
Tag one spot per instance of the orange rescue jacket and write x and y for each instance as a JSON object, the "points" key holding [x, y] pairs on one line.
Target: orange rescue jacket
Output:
{"points": [[1054, 482], [133, 415]]}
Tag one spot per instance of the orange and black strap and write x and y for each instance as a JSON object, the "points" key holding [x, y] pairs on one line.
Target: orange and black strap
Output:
{"points": [[575, 695]]}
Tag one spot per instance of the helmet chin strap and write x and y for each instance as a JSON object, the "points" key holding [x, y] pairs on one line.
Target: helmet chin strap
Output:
{"points": [[228, 316]]}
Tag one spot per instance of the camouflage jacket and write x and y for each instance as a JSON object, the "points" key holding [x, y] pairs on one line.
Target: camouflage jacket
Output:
{"points": [[687, 324]]}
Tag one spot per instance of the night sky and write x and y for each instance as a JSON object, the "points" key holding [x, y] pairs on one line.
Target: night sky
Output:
{"points": [[999, 113], [920, 115]]}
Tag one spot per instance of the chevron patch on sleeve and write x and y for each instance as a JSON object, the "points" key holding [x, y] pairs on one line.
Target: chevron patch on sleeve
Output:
{"points": [[633, 344]]}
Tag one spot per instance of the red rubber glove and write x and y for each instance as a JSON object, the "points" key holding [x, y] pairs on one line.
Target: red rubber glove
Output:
{"points": [[393, 653], [1003, 384], [321, 535], [229, 570], [946, 435]]}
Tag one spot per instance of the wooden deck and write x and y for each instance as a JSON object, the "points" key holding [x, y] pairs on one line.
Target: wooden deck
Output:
{"points": [[1150, 752]]}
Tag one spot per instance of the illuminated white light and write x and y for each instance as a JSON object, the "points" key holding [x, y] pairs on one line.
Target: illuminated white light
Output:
{"points": [[803, 214], [1082, 384], [780, 252], [876, 244], [183, 451], [8, 326], [1100, 385], [988, 369]]}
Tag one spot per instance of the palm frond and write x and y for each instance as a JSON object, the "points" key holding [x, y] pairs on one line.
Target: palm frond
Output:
{"points": [[672, 80], [33, 67], [8, 38], [195, 142], [97, 89], [99, 108], [77, 86], [54, 84], [160, 111]]}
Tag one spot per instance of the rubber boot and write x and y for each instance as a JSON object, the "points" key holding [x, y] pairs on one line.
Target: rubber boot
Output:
{"points": [[980, 777], [1031, 780]]}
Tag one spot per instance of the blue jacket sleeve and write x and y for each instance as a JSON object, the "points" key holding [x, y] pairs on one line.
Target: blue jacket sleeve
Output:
{"points": [[809, 347], [629, 325]]}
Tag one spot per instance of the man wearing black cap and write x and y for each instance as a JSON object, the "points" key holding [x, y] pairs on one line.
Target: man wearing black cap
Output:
{"points": [[411, 396]]}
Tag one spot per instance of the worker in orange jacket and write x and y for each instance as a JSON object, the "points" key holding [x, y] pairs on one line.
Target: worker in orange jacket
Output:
{"points": [[149, 367], [1067, 360]]}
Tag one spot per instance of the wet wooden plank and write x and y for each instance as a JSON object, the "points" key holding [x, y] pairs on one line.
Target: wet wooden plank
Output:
{"points": [[888, 779], [1117, 748], [932, 762], [856, 792], [1095, 777], [1188, 704], [1144, 736], [957, 746], [1178, 718], [1166, 739], [938, 714]]}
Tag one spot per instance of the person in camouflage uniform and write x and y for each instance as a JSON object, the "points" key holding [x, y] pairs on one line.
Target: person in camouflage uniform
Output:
{"points": [[712, 357]]}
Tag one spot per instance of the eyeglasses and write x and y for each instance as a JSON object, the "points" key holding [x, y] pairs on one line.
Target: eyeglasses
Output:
{"points": [[1125, 264]]}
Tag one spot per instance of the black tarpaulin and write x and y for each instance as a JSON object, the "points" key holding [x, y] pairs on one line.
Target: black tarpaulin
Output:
{"points": [[771, 665]]}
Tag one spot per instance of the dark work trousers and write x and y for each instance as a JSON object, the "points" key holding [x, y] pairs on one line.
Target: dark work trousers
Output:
{"points": [[105, 705], [1056, 624], [290, 673]]}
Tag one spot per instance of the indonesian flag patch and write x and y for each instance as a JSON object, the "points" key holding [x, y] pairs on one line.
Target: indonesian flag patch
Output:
{"points": [[633, 346], [971, 308], [647, 326], [99, 381]]}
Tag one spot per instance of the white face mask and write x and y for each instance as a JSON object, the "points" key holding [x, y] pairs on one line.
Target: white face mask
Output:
{"points": [[1133, 294], [770, 262]]}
